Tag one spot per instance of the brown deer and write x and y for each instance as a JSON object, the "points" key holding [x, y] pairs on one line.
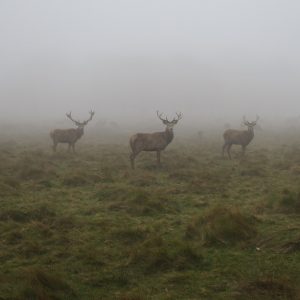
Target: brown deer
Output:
{"points": [[239, 137], [70, 136], [156, 141]]}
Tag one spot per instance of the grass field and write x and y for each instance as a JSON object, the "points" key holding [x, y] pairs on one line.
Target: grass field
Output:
{"points": [[86, 226]]}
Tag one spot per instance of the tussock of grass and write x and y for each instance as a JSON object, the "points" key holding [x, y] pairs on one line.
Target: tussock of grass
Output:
{"points": [[75, 179], [143, 179], [295, 169], [268, 288], [13, 214], [222, 226], [131, 296], [209, 182], [92, 257], [31, 248], [32, 172], [289, 202], [253, 171], [156, 255], [119, 279], [137, 202], [31, 167], [252, 168], [41, 284], [291, 246], [62, 223], [11, 181], [132, 234], [42, 212], [81, 178], [13, 237], [183, 175], [7, 190]]}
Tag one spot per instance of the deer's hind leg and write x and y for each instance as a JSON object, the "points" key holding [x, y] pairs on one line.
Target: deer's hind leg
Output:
{"points": [[132, 158], [223, 149], [243, 150], [54, 146], [228, 150], [158, 157]]}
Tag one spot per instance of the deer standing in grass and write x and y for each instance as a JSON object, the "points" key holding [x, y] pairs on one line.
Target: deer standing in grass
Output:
{"points": [[70, 136], [156, 141], [239, 137]]}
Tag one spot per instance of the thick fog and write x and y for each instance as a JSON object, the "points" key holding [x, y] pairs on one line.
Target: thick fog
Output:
{"points": [[213, 60]]}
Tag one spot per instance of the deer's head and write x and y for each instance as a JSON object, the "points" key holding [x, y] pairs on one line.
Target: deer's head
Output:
{"points": [[169, 124], [250, 125], [78, 123]]}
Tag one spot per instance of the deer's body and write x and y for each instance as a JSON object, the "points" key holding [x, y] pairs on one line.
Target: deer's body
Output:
{"points": [[156, 141], [69, 136], [66, 136], [238, 137]]}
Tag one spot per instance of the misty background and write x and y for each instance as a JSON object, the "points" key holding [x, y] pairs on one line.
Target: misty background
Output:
{"points": [[213, 60]]}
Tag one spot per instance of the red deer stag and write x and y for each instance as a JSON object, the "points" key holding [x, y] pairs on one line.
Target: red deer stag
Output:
{"points": [[239, 137], [156, 141], [70, 136]]}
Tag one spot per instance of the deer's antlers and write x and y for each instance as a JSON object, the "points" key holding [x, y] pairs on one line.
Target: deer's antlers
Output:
{"points": [[69, 115], [91, 116], [179, 116], [159, 116]]}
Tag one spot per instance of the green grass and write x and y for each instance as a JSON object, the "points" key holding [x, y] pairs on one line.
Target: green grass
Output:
{"points": [[86, 226]]}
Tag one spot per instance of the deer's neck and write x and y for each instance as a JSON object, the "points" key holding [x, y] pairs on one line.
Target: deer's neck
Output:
{"points": [[169, 135], [80, 132], [250, 132]]}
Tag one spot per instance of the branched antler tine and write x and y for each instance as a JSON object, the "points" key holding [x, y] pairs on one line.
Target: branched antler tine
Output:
{"points": [[179, 116], [159, 116], [245, 121], [69, 115], [91, 116]]}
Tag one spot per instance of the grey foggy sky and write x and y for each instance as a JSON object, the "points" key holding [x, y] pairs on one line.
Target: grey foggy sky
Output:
{"points": [[208, 59]]}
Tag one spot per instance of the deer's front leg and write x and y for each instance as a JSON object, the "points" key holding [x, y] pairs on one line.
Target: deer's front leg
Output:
{"points": [[228, 151], [54, 147], [132, 157], [158, 157]]}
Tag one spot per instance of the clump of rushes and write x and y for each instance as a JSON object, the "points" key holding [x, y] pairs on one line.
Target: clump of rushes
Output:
{"points": [[222, 225]]}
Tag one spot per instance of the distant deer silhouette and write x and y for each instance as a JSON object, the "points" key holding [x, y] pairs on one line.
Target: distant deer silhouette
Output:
{"points": [[156, 141], [239, 137], [70, 136]]}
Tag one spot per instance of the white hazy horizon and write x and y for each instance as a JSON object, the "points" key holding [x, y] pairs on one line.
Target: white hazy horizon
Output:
{"points": [[211, 60]]}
